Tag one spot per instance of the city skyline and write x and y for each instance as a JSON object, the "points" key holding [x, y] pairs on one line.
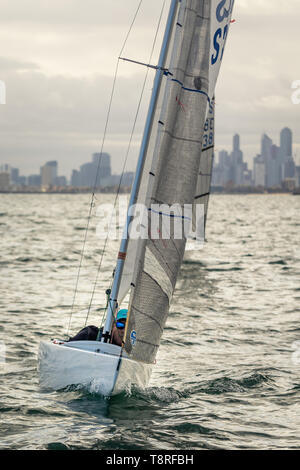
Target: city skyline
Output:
{"points": [[93, 174], [59, 68], [273, 167], [115, 166]]}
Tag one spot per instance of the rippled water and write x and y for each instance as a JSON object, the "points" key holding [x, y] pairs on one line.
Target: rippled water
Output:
{"points": [[227, 375]]}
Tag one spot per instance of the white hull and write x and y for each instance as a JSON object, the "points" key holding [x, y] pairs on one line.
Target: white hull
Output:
{"points": [[95, 365]]}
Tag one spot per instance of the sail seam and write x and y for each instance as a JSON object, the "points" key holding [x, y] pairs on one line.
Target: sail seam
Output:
{"points": [[173, 241], [147, 315], [156, 282], [161, 256], [197, 14], [192, 90], [169, 215], [146, 342], [182, 138], [208, 148], [158, 273], [188, 74], [202, 195]]}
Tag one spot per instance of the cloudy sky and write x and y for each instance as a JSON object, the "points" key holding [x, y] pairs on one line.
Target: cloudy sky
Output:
{"points": [[58, 57]]}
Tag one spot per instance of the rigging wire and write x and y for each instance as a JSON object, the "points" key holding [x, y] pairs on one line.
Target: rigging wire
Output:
{"points": [[99, 162], [125, 162]]}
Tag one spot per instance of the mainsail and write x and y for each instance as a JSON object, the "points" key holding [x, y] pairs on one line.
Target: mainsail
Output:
{"points": [[177, 170]]}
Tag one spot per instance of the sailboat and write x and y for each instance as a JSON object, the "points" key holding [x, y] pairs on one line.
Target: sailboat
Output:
{"points": [[173, 170]]}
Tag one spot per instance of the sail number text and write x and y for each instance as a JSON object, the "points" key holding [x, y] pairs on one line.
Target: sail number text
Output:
{"points": [[223, 12], [208, 137]]}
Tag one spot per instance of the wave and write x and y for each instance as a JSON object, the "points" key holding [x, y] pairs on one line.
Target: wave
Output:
{"points": [[280, 262], [226, 384]]}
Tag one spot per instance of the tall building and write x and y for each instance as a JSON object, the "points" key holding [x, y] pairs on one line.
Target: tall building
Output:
{"points": [[286, 143], [259, 171], [103, 160], [60, 181], [4, 180], [14, 175], [34, 180], [128, 178], [289, 168], [272, 163], [99, 167], [49, 173], [5, 168], [88, 174], [231, 170], [236, 143], [237, 161], [297, 176], [286, 154], [225, 169], [274, 167], [75, 178]]}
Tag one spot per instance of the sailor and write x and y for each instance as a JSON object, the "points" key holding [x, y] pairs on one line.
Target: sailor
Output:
{"points": [[89, 333], [118, 330]]}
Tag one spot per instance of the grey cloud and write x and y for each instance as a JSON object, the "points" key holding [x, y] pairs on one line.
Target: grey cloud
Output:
{"points": [[59, 58], [8, 64], [70, 13], [63, 118]]}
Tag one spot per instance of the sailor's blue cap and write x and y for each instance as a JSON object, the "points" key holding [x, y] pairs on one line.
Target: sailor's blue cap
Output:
{"points": [[122, 314]]}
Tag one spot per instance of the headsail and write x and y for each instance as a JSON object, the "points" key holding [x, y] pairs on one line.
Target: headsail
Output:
{"points": [[175, 163]]}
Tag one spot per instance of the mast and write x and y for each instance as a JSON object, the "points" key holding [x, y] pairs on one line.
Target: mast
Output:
{"points": [[160, 70]]}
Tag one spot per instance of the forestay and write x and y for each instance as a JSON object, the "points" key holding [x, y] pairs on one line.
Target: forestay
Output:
{"points": [[176, 170]]}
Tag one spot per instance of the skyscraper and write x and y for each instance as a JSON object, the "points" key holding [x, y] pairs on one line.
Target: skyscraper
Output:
{"points": [[14, 175], [237, 161], [259, 171], [236, 142], [49, 173], [34, 180], [266, 153], [286, 144], [99, 167], [286, 153], [274, 177], [75, 178], [4, 180], [225, 168], [103, 160], [88, 174]]}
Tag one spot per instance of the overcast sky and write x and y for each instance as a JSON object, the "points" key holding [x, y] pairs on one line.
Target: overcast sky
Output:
{"points": [[57, 58]]}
